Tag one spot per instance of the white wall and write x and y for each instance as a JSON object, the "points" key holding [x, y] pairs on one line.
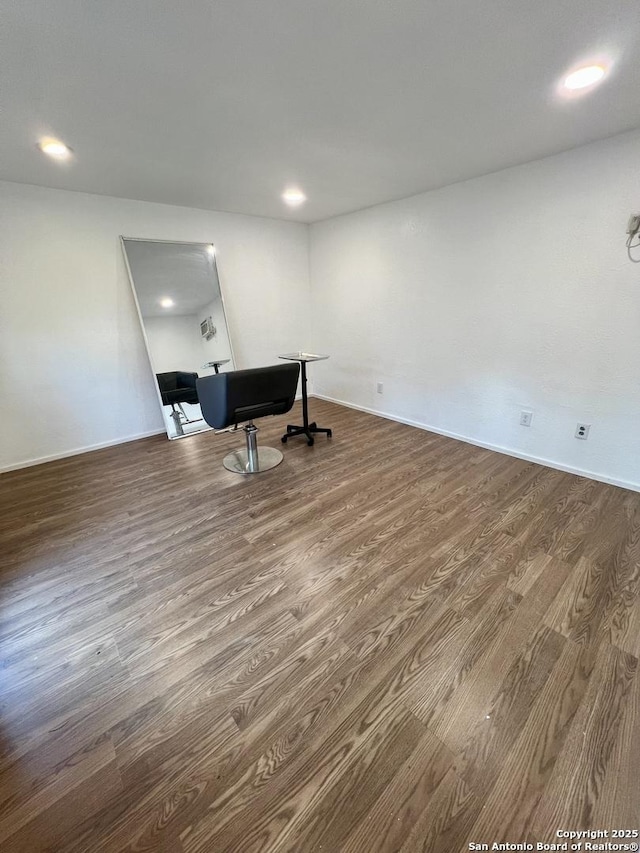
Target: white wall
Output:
{"points": [[507, 292], [74, 373], [469, 303], [174, 343]]}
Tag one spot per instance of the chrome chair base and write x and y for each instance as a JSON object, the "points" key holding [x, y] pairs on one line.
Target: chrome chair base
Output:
{"points": [[244, 462]]}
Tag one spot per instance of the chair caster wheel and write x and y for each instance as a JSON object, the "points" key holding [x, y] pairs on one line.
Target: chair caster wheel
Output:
{"points": [[310, 442], [329, 434], [284, 439]]}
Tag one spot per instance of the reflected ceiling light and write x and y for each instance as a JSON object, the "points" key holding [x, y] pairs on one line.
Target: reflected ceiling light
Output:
{"points": [[54, 148], [584, 77], [293, 196], [167, 303]]}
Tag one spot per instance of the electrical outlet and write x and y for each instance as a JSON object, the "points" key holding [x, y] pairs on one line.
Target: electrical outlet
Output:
{"points": [[526, 418], [582, 431], [379, 387]]}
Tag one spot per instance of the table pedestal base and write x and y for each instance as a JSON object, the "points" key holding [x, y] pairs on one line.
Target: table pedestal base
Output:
{"points": [[307, 428], [304, 430]]}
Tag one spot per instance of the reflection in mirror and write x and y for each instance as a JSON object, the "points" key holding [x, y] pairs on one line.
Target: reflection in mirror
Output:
{"points": [[181, 310]]}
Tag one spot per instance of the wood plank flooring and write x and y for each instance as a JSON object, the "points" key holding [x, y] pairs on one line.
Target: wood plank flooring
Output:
{"points": [[392, 642]]}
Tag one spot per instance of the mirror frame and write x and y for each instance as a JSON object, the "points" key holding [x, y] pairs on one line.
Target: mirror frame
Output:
{"points": [[123, 241]]}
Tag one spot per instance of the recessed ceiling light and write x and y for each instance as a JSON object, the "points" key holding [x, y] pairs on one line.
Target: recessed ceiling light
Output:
{"points": [[167, 303], [293, 196], [581, 78], [54, 148]]}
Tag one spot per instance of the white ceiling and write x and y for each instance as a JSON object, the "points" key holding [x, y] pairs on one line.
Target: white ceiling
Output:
{"points": [[183, 272], [220, 104]]}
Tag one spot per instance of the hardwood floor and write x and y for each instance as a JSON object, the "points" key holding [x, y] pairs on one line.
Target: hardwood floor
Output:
{"points": [[392, 642]]}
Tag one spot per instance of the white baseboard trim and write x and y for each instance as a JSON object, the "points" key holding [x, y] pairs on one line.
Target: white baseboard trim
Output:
{"points": [[40, 460], [29, 463], [507, 451]]}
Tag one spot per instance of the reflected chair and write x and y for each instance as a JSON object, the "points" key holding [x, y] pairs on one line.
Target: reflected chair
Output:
{"points": [[178, 387], [241, 396]]}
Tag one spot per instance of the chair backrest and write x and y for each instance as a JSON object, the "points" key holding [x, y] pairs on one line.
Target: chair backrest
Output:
{"points": [[242, 395], [177, 386], [167, 381]]}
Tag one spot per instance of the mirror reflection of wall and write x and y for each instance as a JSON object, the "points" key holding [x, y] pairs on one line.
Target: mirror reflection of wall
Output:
{"points": [[182, 314]]}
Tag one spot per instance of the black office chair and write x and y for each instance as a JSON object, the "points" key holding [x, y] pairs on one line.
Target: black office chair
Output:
{"points": [[243, 395], [178, 387]]}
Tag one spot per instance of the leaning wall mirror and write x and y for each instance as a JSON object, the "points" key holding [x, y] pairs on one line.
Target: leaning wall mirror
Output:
{"points": [[181, 308]]}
